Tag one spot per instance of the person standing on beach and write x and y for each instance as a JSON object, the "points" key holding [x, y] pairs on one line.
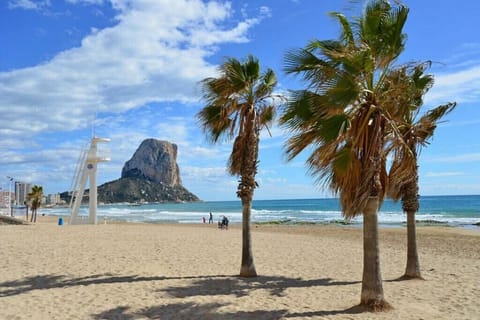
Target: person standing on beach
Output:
{"points": [[210, 220]]}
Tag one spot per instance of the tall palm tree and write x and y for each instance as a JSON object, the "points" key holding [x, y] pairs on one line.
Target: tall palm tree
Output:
{"points": [[239, 103], [344, 117], [35, 197], [415, 130]]}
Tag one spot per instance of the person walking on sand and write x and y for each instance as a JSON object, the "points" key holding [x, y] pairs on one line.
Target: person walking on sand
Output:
{"points": [[210, 220]]}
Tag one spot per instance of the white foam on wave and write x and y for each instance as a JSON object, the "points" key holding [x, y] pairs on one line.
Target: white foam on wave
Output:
{"points": [[160, 213]]}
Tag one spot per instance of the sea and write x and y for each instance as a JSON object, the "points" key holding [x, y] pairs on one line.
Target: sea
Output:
{"points": [[457, 211]]}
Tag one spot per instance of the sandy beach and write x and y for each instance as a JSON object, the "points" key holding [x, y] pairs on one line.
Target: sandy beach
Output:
{"points": [[159, 271]]}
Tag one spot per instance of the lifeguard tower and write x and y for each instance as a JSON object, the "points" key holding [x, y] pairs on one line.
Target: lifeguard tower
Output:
{"points": [[86, 169]]}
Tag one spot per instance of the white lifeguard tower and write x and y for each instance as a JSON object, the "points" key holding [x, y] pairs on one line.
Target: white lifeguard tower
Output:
{"points": [[86, 169]]}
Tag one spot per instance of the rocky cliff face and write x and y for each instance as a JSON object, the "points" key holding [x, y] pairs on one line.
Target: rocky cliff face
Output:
{"points": [[156, 161]]}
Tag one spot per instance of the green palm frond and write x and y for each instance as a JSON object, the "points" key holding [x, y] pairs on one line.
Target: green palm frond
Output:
{"points": [[347, 32], [35, 197], [313, 68], [215, 121], [381, 29]]}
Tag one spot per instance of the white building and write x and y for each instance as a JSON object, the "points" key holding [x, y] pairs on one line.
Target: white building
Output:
{"points": [[21, 192], [53, 199], [4, 196]]}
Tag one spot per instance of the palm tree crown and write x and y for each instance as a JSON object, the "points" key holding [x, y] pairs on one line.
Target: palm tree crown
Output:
{"points": [[238, 101], [415, 129], [35, 197], [347, 109]]}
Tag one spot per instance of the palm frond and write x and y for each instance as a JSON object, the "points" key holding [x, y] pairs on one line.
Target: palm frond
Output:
{"points": [[239, 103], [347, 32], [426, 125], [214, 121]]}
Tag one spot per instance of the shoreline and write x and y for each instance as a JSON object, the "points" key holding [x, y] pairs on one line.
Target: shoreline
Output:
{"points": [[419, 223], [457, 211]]}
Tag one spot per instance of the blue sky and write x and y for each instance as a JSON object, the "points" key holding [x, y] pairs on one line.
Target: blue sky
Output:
{"points": [[136, 65]]}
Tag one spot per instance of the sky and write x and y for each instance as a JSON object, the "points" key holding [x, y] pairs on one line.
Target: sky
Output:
{"points": [[129, 70]]}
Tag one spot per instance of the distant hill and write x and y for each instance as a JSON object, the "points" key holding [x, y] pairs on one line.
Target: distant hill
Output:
{"points": [[131, 189]]}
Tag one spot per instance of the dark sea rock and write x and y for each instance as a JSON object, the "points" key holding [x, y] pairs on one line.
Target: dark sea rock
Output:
{"points": [[133, 190]]}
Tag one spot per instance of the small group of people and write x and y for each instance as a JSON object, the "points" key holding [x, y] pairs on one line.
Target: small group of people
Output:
{"points": [[222, 222], [210, 220]]}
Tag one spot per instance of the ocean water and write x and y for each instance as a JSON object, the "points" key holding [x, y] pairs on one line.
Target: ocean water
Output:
{"points": [[448, 210]]}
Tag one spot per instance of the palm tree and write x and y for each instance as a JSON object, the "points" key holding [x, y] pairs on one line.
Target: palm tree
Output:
{"points": [[35, 197], [344, 117], [415, 130], [239, 103]]}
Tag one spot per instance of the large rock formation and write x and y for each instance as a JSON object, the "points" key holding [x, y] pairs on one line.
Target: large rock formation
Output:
{"points": [[156, 161], [151, 175]]}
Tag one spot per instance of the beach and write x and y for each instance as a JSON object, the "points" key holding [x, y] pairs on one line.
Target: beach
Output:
{"points": [[189, 271]]}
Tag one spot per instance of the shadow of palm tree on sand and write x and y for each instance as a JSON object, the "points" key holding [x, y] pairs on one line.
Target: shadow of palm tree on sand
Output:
{"points": [[240, 287], [45, 282], [211, 311], [207, 285]]}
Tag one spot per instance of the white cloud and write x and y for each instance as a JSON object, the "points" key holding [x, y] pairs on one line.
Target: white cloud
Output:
{"points": [[28, 4], [460, 86], [204, 174], [468, 157], [458, 78], [177, 132], [443, 174], [449, 188], [156, 52], [88, 2]]}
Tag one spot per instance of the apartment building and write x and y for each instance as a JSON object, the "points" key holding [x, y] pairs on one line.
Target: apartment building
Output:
{"points": [[21, 192]]}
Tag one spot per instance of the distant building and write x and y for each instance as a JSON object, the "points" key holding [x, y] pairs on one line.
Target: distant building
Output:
{"points": [[4, 196], [21, 192], [53, 199]]}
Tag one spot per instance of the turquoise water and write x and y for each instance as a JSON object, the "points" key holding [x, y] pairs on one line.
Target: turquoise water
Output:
{"points": [[449, 210]]}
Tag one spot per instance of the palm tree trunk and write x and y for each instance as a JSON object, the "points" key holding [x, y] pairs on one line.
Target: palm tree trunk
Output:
{"points": [[372, 288], [247, 268], [413, 265], [245, 192], [410, 205]]}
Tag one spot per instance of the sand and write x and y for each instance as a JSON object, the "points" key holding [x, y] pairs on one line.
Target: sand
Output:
{"points": [[152, 271]]}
